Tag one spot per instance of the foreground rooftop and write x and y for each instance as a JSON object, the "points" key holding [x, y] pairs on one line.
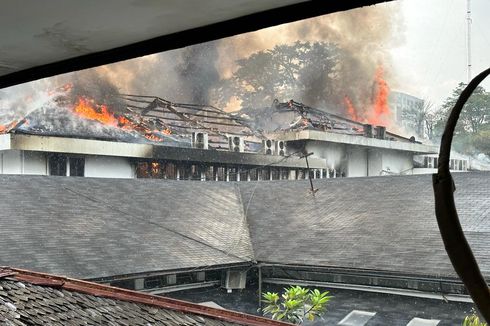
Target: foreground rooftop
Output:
{"points": [[93, 228], [28, 298]]}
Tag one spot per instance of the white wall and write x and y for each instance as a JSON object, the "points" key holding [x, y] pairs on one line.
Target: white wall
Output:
{"points": [[357, 162], [375, 162], [333, 153], [34, 163], [11, 162], [397, 162], [108, 167]]}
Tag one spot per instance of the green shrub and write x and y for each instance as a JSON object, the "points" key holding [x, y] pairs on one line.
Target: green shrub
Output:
{"points": [[295, 304]]}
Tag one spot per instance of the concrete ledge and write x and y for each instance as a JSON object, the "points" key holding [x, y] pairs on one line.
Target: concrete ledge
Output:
{"points": [[356, 140]]}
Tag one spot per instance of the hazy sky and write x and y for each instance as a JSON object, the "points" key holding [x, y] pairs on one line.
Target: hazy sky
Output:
{"points": [[431, 60]]}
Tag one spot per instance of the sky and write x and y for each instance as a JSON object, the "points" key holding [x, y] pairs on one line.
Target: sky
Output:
{"points": [[432, 59]]}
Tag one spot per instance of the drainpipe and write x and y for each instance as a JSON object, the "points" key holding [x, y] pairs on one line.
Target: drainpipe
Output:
{"points": [[260, 286]]}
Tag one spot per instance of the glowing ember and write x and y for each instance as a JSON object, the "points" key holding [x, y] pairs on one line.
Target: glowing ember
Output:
{"points": [[351, 111], [380, 113]]}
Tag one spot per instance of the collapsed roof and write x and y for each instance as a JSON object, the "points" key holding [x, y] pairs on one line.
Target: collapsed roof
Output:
{"points": [[93, 228]]}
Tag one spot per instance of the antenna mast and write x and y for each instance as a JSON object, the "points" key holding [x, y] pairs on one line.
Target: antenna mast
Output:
{"points": [[468, 36]]}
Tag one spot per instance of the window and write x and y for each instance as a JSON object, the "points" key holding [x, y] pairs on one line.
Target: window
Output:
{"points": [[124, 284], [77, 166], [275, 174], [62, 165], [57, 164]]}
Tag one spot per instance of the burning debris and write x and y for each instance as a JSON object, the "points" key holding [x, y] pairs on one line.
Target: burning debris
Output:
{"points": [[68, 114]]}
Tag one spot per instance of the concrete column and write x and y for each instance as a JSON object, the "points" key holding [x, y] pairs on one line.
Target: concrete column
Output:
{"points": [[238, 174], [227, 172], [178, 172]]}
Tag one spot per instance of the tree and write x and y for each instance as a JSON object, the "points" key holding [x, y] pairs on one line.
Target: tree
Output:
{"points": [[296, 304], [475, 113], [481, 141], [421, 118], [472, 130], [284, 72]]}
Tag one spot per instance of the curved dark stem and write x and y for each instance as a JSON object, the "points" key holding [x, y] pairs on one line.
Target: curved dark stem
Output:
{"points": [[455, 242]]}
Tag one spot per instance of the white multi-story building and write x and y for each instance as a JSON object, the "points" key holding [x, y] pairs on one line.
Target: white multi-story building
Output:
{"points": [[406, 108]]}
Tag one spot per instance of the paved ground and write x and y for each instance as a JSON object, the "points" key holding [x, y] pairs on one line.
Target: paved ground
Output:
{"points": [[390, 310]]}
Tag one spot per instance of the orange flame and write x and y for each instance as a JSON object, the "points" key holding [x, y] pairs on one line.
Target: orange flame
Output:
{"points": [[380, 114], [87, 109], [351, 111]]}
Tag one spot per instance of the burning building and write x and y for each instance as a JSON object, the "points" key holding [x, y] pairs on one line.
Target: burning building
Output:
{"points": [[150, 137]]}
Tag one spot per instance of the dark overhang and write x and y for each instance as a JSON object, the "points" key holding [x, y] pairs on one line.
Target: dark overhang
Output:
{"points": [[234, 158], [233, 21]]}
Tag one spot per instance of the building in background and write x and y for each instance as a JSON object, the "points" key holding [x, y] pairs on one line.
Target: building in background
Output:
{"points": [[407, 111]]}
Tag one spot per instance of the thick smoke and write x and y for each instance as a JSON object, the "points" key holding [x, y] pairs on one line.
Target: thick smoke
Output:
{"points": [[191, 74], [184, 75], [364, 36]]}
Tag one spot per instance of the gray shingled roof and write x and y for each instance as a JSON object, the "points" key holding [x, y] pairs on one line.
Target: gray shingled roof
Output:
{"points": [[87, 228], [377, 223], [23, 303], [90, 228]]}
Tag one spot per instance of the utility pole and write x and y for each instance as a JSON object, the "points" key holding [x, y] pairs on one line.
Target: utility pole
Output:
{"points": [[468, 36]]}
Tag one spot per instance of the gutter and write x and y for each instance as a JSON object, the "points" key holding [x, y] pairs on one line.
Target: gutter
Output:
{"points": [[373, 289]]}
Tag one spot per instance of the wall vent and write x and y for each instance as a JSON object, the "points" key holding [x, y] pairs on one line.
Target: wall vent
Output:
{"points": [[281, 147], [269, 146], [236, 144]]}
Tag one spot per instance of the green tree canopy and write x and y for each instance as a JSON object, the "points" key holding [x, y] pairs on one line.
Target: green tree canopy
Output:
{"points": [[472, 131], [286, 71]]}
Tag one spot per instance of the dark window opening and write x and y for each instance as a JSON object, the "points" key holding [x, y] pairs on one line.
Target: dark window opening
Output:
{"points": [[266, 174], [77, 167], [154, 282], [253, 174], [124, 284], [275, 173], [57, 164], [233, 174], [209, 173]]}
